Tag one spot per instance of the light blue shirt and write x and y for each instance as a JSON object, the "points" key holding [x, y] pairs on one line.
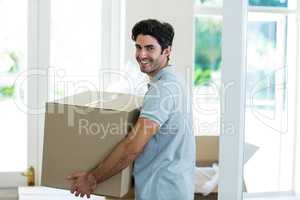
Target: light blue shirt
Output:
{"points": [[165, 168]]}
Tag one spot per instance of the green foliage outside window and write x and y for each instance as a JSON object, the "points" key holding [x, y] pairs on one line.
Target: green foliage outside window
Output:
{"points": [[7, 91], [10, 61], [15, 66], [9, 66], [208, 49]]}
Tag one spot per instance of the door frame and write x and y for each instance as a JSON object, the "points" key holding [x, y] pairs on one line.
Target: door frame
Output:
{"points": [[234, 38], [38, 62]]}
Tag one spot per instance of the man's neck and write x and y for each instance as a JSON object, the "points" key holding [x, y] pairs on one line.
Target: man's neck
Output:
{"points": [[152, 75]]}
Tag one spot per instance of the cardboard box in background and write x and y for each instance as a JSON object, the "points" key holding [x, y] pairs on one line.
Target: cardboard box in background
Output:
{"points": [[207, 153], [80, 131]]}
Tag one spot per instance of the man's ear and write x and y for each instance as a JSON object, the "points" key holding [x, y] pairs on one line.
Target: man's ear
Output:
{"points": [[167, 51]]}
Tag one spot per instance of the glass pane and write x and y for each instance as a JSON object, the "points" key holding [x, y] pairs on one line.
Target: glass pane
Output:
{"points": [[13, 60], [210, 3], [75, 43], [207, 75], [273, 3], [270, 169]]}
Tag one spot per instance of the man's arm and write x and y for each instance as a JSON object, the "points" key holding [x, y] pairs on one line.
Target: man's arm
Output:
{"points": [[121, 156], [127, 150]]}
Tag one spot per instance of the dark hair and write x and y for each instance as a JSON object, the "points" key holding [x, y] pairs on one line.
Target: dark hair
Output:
{"points": [[163, 32]]}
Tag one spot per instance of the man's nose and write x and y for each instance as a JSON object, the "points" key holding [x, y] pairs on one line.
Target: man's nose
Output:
{"points": [[143, 53]]}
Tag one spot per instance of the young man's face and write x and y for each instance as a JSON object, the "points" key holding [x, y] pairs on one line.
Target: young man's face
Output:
{"points": [[149, 55]]}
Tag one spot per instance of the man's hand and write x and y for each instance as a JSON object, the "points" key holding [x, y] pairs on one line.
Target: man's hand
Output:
{"points": [[83, 183]]}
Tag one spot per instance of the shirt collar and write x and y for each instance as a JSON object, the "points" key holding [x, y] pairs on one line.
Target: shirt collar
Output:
{"points": [[168, 68]]}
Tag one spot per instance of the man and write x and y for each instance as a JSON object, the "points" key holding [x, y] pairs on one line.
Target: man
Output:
{"points": [[161, 142]]}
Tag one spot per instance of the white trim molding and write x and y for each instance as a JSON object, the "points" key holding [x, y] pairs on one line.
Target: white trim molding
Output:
{"points": [[112, 39], [234, 35], [11, 179], [38, 63]]}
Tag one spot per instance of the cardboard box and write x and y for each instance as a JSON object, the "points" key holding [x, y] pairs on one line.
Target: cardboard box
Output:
{"points": [[80, 131], [207, 153]]}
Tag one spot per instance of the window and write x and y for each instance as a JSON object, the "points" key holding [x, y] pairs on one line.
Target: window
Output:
{"points": [[86, 45], [271, 69], [13, 62], [75, 47], [207, 74], [267, 102]]}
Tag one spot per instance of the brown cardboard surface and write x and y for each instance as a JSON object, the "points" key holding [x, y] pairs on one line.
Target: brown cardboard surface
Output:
{"points": [[213, 196], [207, 153], [80, 131], [207, 150]]}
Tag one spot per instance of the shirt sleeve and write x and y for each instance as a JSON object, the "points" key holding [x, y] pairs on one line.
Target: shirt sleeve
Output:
{"points": [[158, 104]]}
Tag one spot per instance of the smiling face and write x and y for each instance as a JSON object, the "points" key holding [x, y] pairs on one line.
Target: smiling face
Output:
{"points": [[149, 54]]}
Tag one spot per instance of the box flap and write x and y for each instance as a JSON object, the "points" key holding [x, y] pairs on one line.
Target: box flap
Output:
{"points": [[249, 151], [104, 100]]}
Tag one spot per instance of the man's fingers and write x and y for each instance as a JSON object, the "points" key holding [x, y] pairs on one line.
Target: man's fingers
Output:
{"points": [[71, 177], [75, 175], [73, 189], [81, 186], [88, 195], [77, 193]]}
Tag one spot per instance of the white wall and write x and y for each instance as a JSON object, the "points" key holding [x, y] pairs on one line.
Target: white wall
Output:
{"points": [[179, 13]]}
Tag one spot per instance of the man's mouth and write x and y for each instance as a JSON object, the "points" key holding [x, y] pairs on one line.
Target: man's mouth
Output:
{"points": [[144, 62]]}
